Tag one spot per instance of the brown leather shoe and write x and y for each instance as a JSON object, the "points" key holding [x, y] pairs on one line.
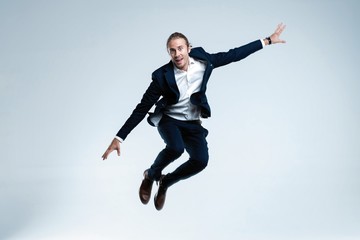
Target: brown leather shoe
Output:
{"points": [[160, 196], [145, 188]]}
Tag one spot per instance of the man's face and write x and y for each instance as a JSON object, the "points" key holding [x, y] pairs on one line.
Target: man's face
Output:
{"points": [[179, 53]]}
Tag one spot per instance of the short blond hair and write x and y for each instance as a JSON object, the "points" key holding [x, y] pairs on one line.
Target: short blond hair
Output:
{"points": [[177, 35]]}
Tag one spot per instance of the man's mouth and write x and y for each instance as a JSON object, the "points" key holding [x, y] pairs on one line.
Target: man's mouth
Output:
{"points": [[178, 60]]}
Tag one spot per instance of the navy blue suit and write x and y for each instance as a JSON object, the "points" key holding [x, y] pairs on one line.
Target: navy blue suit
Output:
{"points": [[163, 85]]}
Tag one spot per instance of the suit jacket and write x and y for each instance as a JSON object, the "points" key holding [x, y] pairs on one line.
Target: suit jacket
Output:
{"points": [[163, 85]]}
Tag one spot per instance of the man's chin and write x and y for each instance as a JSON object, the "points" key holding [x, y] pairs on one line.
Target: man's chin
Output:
{"points": [[179, 65]]}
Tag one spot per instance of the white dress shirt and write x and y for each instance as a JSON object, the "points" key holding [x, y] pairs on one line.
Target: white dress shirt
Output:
{"points": [[188, 82]]}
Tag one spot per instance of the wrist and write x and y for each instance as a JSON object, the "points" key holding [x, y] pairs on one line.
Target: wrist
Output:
{"points": [[268, 41], [119, 139]]}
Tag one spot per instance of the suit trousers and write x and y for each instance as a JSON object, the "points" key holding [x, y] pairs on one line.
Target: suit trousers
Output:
{"points": [[179, 136]]}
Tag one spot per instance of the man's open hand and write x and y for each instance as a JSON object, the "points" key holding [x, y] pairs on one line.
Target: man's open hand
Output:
{"points": [[114, 145], [275, 37]]}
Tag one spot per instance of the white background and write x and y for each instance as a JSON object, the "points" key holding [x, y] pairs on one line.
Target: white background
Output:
{"points": [[284, 137]]}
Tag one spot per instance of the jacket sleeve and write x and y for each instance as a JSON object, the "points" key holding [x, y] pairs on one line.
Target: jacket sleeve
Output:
{"points": [[236, 54], [150, 97]]}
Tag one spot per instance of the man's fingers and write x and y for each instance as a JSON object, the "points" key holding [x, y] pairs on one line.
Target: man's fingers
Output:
{"points": [[280, 28], [107, 152], [275, 37], [115, 145], [104, 156]]}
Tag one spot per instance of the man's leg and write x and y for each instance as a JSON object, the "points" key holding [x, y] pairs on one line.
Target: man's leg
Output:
{"points": [[171, 135], [194, 136]]}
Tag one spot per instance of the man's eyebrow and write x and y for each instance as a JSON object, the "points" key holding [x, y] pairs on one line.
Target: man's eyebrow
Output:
{"points": [[181, 46]]}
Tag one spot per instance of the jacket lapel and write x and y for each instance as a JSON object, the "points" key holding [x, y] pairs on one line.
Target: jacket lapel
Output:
{"points": [[198, 53], [170, 79]]}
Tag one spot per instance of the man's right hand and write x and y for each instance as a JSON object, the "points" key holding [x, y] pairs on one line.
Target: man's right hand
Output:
{"points": [[114, 145]]}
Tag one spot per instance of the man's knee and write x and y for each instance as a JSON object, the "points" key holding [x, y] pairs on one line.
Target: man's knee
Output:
{"points": [[201, 162], [175, 151]]}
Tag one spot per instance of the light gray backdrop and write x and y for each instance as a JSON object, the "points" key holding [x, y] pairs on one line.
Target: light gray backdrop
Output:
{"points": [[284, 137]]}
